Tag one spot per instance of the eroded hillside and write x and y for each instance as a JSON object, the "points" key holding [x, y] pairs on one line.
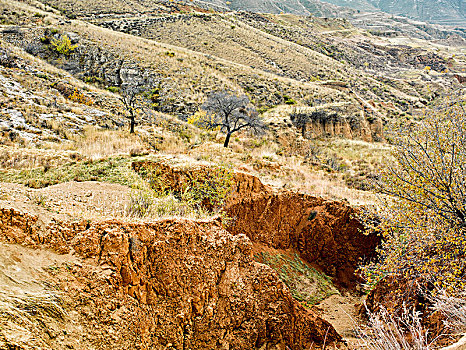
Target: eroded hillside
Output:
{"points": [[274, 59], [163, 238]]}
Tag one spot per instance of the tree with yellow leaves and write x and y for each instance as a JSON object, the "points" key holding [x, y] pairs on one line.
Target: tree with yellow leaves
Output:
{"points": [[63, 45], [422, 215]]}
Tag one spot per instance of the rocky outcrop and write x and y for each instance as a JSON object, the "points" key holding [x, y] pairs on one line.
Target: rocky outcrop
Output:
{"points": [[136, 26], [197, 285], [334, 123], [324, 233]]}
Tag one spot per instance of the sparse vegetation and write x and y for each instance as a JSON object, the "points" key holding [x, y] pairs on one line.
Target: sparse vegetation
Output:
{"points": [[306, 283], [203, 188], [113, 169], [139, 205], [386, 331], [62, 120]]}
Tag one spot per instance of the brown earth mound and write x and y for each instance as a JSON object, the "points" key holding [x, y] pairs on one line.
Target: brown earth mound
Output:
{"points": [[324, 233], [197, 287]]}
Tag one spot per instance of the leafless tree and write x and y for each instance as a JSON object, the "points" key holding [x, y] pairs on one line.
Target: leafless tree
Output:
{"points": [[130, 98], [230, 113]]}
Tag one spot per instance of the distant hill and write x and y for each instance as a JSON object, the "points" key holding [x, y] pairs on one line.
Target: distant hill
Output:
{"points": [[445, 12]]}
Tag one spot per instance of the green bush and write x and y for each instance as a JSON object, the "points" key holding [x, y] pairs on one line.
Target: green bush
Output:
{"points": [[63, 45], [113, 89], [288, 100]]}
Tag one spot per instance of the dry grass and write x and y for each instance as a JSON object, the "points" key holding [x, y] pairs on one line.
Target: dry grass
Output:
{"points": [[29, 309], [193, 73], [29, 158], [146, 205], [25, 315], [98, 143], [22, 306], [386, 331], [199, 73], [232, 39], [454, 310], [264, 159]]}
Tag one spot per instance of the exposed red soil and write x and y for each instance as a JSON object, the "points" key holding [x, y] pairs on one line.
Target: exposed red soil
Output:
{"points": [[198, 286]]}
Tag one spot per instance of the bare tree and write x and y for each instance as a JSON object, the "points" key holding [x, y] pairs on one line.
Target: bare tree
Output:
{"points": [[130, 97], [230, 113]]}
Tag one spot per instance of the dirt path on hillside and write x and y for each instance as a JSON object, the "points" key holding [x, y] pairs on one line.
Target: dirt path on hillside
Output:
{"points": [[341, 312]]}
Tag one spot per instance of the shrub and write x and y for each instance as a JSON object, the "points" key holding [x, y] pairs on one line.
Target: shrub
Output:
{"points": [[63, 45], [422, 215], [139, 205], [288, 100], [79, 97], [93, 79], [205, 188], [113, 89], [209, 188]]}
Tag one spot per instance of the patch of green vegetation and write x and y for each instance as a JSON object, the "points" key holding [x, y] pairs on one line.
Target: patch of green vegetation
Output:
{"points": [[306, 284], [288, 100], [113, 170], [263, 109], [203, 189], [113, 89], [93, 79], [63, 45], [42, 76]]}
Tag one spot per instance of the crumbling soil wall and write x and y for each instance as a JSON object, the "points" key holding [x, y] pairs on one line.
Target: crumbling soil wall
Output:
{"points": [[325, 233], [197, 285]]}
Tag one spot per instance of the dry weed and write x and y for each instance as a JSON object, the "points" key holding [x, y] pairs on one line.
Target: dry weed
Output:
{"points": [[386, 331], [97, 144]]}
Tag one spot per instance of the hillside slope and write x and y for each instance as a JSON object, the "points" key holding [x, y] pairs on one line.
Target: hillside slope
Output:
{"points": [[275, 59]]}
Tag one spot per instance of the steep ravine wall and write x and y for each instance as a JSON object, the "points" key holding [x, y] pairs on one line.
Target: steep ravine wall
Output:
{"points": [[324, 233], [198, 286]]}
